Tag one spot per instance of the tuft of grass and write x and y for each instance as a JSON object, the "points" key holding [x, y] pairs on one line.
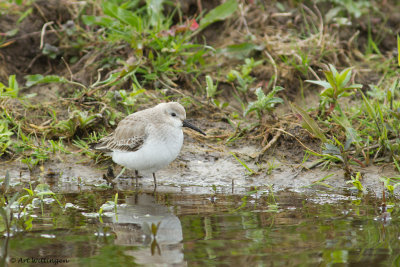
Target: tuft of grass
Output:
{"points": [[335, 87], [264, 103]]}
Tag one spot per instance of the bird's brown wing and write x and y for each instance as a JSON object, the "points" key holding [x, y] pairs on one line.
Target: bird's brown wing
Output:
{"points": [[125, 137]]}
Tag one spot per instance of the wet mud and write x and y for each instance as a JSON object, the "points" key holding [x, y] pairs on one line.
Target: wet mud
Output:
{"points": [[200, 168]]}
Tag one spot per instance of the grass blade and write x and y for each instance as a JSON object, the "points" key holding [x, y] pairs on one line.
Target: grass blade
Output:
{"points": [[309, 123], [221, 12]]}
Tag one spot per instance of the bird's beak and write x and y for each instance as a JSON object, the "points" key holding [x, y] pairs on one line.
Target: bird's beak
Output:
{"points": [[191, 126]]}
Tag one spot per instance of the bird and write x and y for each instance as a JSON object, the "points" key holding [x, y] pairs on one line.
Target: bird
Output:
{"points": [[148, 140]]}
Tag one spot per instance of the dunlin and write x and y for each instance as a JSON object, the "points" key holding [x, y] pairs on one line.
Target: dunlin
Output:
{"points": [[148, 140]]}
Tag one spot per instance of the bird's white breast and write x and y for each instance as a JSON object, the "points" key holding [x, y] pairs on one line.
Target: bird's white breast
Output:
{"points": [[160, 148]]}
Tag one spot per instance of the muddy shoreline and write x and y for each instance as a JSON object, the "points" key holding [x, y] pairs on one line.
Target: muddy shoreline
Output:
{"points": [[197, 170]]}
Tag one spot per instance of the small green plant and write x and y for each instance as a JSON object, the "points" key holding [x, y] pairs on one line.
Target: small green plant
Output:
{"points": [[84, 145], [211, 88], [271, 165], [161, 50], [38, 155], [251, 172], [337, 153], [11, 90], [243, 78], [125, 98], [353, 8], [5, 136], [264, 103], [335, 87], [355, 181], [390, 183], [17, 210], [78, 120]]}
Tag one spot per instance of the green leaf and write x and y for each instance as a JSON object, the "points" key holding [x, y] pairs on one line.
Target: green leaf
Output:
{"points": [[243, 164], [371, 111], [28, 223], [333, 71], [154, 9], [331, 149], [352, 135], [95, 20], [13, 84], [398, 49], [264, 102], [354, 86], [210, 88], [221, 12], [368, 105], [324, 84], [331, 80], [344, 77], [38, 78], [30, 192], [123, 15], [11, 33], [328, 92]]}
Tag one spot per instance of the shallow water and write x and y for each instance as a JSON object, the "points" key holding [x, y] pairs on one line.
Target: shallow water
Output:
{"points": [[254, 229]]}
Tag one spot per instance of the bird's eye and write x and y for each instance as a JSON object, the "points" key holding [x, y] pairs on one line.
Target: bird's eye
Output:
{"points": [[173, 114]]}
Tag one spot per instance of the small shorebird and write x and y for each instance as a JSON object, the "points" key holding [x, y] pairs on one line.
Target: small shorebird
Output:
{"points": [[148, 140]]}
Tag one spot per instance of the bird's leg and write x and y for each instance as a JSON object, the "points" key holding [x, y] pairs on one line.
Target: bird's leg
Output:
{"points": [[137, 176], [155, 181]]}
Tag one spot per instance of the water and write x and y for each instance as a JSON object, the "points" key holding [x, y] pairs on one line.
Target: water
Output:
{"points": [[256, 229]]}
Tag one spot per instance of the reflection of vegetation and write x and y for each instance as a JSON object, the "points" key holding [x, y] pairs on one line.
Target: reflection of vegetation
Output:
{"points": [[252, 234], [300, 228], [17, 210], [128, 48]]}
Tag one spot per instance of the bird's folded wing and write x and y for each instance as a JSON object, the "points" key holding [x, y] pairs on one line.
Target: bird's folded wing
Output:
{"points": [[125, 138], [109, 144]]}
